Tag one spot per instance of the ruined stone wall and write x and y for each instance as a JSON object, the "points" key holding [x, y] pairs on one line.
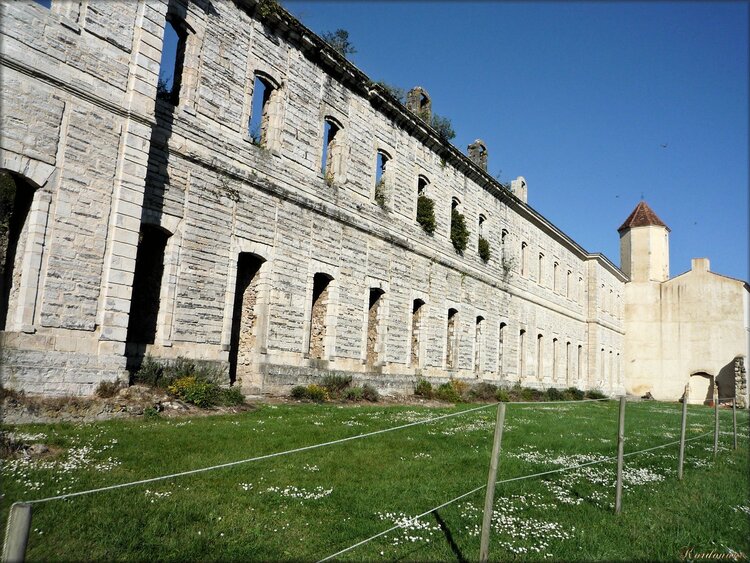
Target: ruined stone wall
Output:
{"points": [[198, 176]]}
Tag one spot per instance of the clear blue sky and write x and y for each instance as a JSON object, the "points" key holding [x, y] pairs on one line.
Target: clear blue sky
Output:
{"points": [[578, 98]]}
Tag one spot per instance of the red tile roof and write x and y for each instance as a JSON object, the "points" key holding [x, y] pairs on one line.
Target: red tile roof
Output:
{"points": [[642, 216]]}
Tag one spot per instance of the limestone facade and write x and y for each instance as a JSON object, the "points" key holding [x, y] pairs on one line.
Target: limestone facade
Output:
{"points": [[167, 225], [691, 329]]}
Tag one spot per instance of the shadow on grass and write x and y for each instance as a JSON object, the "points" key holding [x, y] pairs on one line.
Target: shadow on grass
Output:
{"points": [[449, 538]]}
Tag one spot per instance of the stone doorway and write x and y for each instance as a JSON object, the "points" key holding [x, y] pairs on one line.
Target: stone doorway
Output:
{"points": [[243, 345]]}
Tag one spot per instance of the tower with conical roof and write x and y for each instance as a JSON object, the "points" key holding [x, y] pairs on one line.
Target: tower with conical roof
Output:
{"points": [[644, 246]]}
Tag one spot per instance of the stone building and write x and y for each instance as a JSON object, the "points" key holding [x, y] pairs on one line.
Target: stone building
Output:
{"points": [[266, 211], [693, 328]]}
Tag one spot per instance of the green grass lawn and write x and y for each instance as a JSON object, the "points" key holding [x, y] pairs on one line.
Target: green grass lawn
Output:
{"points": [[311, 504]]}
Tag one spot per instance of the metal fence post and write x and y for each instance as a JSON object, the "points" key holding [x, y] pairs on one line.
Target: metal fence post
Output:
{"points": [[489, 498], [716, 419], [682, 432], [620, 452], [17, 533]]}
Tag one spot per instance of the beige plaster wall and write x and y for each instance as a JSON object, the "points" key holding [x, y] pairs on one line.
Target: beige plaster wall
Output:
{"points": [[696, 322]]}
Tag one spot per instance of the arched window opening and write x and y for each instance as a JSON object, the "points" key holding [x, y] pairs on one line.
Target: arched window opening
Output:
{"points": [[328, 163], [580, 363], [478, 344], [16, 197], [243, 340], [147, 279], [539, 356], [381, 163], [416, 332], [554, 359], [319, 315], [540, 268], [568, 280], [524, 259], [555, 267], [172, 59], [521, 354], [568, 359], [500, 348], [450, 343], [373, 325], [258, 125], [422, 183]]}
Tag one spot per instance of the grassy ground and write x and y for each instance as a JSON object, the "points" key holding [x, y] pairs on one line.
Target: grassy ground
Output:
{"points": [[308, 505]]}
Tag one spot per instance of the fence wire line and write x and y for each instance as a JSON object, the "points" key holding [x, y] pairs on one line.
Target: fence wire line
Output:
{"points": [[272, 455], [257, 458], [520, 478]]}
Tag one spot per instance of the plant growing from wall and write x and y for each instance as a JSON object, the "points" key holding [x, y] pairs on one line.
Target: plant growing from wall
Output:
{"points": [[484, 249], [443, 127], [426, 214], [380, 193], [459, 231], [339, 40], [329, 179], [507, 264]]}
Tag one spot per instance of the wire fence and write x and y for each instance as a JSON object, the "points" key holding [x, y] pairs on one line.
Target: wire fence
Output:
{"points": [[20, 515]]}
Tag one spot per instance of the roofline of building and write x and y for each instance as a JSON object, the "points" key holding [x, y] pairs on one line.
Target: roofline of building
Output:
{"points": [[319, 51], [738, 280]]}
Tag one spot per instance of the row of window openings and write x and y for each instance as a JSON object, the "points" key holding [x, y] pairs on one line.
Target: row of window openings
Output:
{"points": [[258, 126], [556, 281]]}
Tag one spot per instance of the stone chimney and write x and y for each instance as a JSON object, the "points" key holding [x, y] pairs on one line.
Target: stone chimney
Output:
{"points": [[478, 154], [518, 187], [700, 265], [418, 101]]}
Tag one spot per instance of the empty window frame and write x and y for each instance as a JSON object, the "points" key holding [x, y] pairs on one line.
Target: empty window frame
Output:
{"points": [[555, 284], [319, 315], [373, 325], [539, 356], [259, 122], [328, 161], [380, 194], [540, 268], [478, 344], [521, 354], [416, 332], [501, 348], [172, 60], [451, 339], [524, 259], [568, 281]]}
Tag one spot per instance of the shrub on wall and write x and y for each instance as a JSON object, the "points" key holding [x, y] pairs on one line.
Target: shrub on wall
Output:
{"points": [[459, 231], [426, 214], [484, 249]]}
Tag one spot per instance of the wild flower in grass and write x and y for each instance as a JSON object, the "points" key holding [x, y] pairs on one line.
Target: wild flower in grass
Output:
{"points": [[300, 493], [422, 455], [311, 468], [246, 486], [742, 508], [26, 438], [156, 495], [412, 531]]}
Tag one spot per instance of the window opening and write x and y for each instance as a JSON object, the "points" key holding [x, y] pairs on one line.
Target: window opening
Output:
{"points": [[521, 354], [258, 124], [554, 359], [330, 131], [244, 337], [16, 197], [319, 315], [524, 258], [500, 348], [172, 60], [147, 277], [416, 325], [478, 341], [450, 345], [373, 324], [381, 163], [555, 267], [539, 356]]}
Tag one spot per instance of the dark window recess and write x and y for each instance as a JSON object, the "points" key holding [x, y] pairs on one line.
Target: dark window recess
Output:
{"points": [[257, 126], [149, 268]]}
